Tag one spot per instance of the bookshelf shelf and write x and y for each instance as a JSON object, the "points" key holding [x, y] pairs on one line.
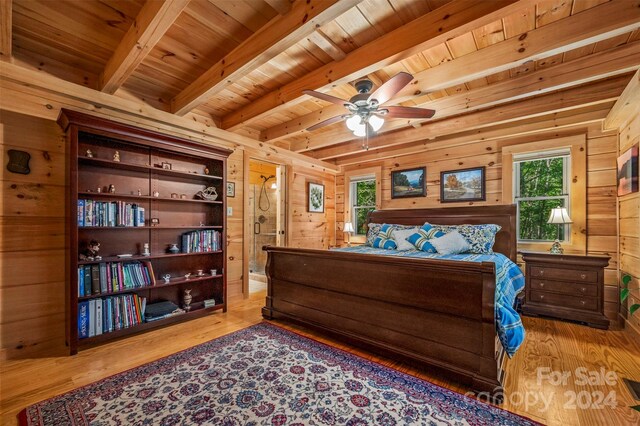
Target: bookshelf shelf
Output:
{"points": [[150, 163]]}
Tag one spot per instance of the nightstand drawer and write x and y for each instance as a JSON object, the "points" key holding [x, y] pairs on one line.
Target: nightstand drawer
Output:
{"points": [[564, 274], [572, 289], [585, 303]]}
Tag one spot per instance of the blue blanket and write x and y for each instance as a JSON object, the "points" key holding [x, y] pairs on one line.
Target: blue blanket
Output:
{"points": [[509, 282]]}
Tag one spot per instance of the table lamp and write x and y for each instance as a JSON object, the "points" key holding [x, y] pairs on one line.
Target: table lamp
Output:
{"points": [[348, 228], [559, 216]]}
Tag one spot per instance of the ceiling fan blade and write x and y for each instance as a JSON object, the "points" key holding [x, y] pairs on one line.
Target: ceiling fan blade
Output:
{"points": [[408, 112], [328, 98], [391, 87], [326, 122]]}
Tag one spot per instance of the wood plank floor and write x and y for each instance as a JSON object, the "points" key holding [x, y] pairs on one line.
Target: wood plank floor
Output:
{"points": [[557, 346]]}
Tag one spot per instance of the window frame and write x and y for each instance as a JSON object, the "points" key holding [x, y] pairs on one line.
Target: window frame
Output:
{"points": [[356, 175], [576, 239], [354, 209], [565, 154]]}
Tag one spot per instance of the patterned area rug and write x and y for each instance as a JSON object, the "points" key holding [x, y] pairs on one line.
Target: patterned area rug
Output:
{"points": [[264, 375]]}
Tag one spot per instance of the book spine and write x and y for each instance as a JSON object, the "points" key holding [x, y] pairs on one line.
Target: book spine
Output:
{"points": [[98, 317], [95, 279], [92, 316], [80, 281], [83, 319], [87, 280], [103, 278], [80, 212]]}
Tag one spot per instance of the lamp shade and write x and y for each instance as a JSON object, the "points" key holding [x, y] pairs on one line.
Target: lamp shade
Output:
{"points": [[559, 215], [348, 227]]}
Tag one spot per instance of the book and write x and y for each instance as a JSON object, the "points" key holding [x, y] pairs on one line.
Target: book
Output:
{"points": [[87, 280], [159, 309], [103, 278], [98, 317], [92, 316], [80, 212], [95, 279], [208, 303], [83, 319], [80, 281]]}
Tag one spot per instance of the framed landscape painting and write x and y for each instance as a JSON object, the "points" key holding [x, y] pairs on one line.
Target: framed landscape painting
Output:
{"points": [[316, 198], [409, 183], [462, 185], [628, 171]]}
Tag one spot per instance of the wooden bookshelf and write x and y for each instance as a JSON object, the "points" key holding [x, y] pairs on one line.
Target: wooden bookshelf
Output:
{"points": [[162, 175]]}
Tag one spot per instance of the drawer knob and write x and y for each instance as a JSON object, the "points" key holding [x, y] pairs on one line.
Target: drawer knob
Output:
{"points": [[583, 302], [542, 272], [541, 285], [541, 296], [583, 289], [583, 276]]}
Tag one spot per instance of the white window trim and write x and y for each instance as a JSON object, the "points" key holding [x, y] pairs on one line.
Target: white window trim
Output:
{"points": [[565, 154], [354, 175], [577, 145], [352, 183]]}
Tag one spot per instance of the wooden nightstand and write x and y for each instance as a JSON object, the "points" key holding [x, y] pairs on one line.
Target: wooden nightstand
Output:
{"points": [[566, 286]]}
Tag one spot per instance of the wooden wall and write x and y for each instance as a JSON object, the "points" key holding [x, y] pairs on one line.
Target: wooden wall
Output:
{"points": [[310, 230], [601, 181], [629, 206]]}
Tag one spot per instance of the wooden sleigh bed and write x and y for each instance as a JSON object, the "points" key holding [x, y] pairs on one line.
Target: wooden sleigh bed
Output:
{"points": [[436, 312]]}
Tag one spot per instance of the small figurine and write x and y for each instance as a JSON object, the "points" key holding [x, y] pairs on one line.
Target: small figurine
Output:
{"points": [[112, 189], [145, 250], [166, 278], [156, 194], [139, 192], [116, 156], [99, 189], [187, 275], [206, 171], [89, 154], [183, 196], [187, 298], [91, 253], [174, 195]]}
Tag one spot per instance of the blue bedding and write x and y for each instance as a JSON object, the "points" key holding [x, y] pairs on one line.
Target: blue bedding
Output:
{"points": [[509, 282]]}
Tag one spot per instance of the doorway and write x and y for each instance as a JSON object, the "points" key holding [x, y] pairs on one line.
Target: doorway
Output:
{"points": [[267, 216]]}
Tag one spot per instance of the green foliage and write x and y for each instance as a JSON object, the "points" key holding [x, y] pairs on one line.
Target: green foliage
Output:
{"points": [[365, 201], [624, 292], [399, 179], [540, 178]]}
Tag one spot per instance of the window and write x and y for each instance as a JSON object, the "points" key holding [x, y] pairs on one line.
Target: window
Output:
{"points": [[363, 200], [540, 183]]}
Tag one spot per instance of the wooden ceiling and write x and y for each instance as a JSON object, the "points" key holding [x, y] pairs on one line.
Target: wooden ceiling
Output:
{"points": [[241, 65]]}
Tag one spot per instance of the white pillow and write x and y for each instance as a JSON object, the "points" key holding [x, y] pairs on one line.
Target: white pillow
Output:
{"points": [[400, 237], [451, 243]]}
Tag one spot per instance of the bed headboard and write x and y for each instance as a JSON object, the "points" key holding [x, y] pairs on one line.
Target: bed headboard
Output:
{"points": [[503, 215]]}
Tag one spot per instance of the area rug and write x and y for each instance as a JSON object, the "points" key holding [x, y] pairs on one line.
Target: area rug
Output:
{"points": [[264, 375]]}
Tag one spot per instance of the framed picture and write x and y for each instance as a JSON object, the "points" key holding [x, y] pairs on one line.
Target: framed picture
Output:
{"points": [[166, 166], [316, 198], [462, 185], [628, 171], [409, 183], [231, 189]]}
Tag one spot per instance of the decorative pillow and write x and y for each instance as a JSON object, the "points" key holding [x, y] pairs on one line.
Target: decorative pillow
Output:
{"points": [[372, 233], [384, 239], [420, 239], [480, 237], [400, 237], [451, 243]]}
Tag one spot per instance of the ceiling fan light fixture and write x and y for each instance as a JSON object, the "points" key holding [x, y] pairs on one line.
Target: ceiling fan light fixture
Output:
{"points": [[354, 122], [360, 131], [376, 122]]}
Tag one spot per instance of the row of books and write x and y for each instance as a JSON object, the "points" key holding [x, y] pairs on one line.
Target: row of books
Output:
{"points": [[109, 213], [99, 316], [201, 241], [110, 277]]}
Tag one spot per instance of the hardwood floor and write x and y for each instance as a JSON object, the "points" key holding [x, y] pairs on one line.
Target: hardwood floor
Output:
{"points": [[552, 345]]}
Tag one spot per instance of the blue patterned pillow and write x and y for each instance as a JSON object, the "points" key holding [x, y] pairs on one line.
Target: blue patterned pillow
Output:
{"points": [[384, 239], [480, 237], [421, 238], [372, 233]]}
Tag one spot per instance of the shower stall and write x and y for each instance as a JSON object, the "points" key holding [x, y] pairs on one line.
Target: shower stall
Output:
{"points": [[266, 212]]}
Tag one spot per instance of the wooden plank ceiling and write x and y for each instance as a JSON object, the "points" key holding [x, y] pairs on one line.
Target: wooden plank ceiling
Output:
{"points": [[242, 64]]}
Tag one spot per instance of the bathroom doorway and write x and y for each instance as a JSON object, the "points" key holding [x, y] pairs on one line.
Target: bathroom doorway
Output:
{"points": [[267, 216]]}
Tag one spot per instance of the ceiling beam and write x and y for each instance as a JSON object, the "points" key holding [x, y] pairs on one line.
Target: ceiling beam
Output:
{"points": [[591, 94], [153, 20], [619, 60], [280, 6], [327, 45], [35, 89], [451, 20], [278, 35], [627, 105], [6, 28], [554, 121]]}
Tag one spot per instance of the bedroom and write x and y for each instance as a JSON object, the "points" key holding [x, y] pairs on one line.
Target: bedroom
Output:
{"points": [[505, 78]]}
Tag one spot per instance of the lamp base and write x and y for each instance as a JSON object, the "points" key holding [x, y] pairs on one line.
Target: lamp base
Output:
{"points": [[556, 248]]}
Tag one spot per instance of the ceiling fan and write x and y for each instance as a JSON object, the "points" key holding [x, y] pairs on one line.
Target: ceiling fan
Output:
{"points": [[366, 110]]}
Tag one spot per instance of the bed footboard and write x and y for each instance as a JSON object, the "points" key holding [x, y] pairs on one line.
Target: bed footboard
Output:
{"points": [[436, 312]]}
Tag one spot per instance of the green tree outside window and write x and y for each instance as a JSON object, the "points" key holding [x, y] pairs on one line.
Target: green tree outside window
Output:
{"points": [[364, 200]]}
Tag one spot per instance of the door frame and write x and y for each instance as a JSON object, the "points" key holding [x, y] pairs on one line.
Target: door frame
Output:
{"points": [[247, 226]]}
